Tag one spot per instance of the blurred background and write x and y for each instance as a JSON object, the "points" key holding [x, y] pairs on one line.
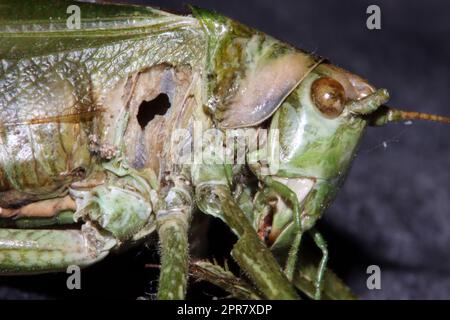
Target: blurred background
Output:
{"points": [[394, 210]]}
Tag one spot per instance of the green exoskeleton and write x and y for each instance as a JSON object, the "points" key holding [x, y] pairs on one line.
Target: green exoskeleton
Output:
{"points": [[84, 169]]}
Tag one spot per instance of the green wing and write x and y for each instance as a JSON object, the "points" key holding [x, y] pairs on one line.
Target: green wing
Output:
{"points": [[52, 77], [114, 41], [29, 28], [49, 71]]}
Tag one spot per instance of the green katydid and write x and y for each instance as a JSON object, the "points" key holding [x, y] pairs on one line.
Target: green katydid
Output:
{"points": [[74, 146]]}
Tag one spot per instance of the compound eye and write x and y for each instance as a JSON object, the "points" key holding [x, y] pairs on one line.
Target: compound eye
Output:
{"points": [[329, 96]]}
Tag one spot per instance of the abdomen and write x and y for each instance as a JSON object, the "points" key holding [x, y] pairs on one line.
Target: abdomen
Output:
{"points": [[44, 132]]}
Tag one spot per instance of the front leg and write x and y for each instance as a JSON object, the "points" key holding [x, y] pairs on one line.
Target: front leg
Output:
{"points": [[290, 195], [214, 197], [173, 221], [305, 211], [173, 226], [252, 255], [322, 244]]}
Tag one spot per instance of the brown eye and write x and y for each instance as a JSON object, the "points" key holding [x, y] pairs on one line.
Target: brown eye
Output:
{"points": [[329, 96]]}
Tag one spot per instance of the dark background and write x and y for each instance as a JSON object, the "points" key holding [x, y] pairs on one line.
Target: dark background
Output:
{"points": [[394, 210]]}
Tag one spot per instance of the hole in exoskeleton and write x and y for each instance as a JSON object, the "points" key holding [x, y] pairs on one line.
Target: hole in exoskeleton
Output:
{"points": [[149, 109]]}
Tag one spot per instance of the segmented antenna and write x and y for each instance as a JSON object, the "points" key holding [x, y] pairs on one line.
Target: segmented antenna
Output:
{"points": [[387, 114], [400, 115]]}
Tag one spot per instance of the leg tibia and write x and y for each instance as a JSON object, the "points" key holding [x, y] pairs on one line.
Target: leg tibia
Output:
{"points": [[173, 238], [321, 243]]}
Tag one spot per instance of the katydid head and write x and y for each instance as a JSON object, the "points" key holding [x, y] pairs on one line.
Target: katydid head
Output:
{"points": [[320, 122], [338, 92], [320, 125], [360, 99], [323, 119]]}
